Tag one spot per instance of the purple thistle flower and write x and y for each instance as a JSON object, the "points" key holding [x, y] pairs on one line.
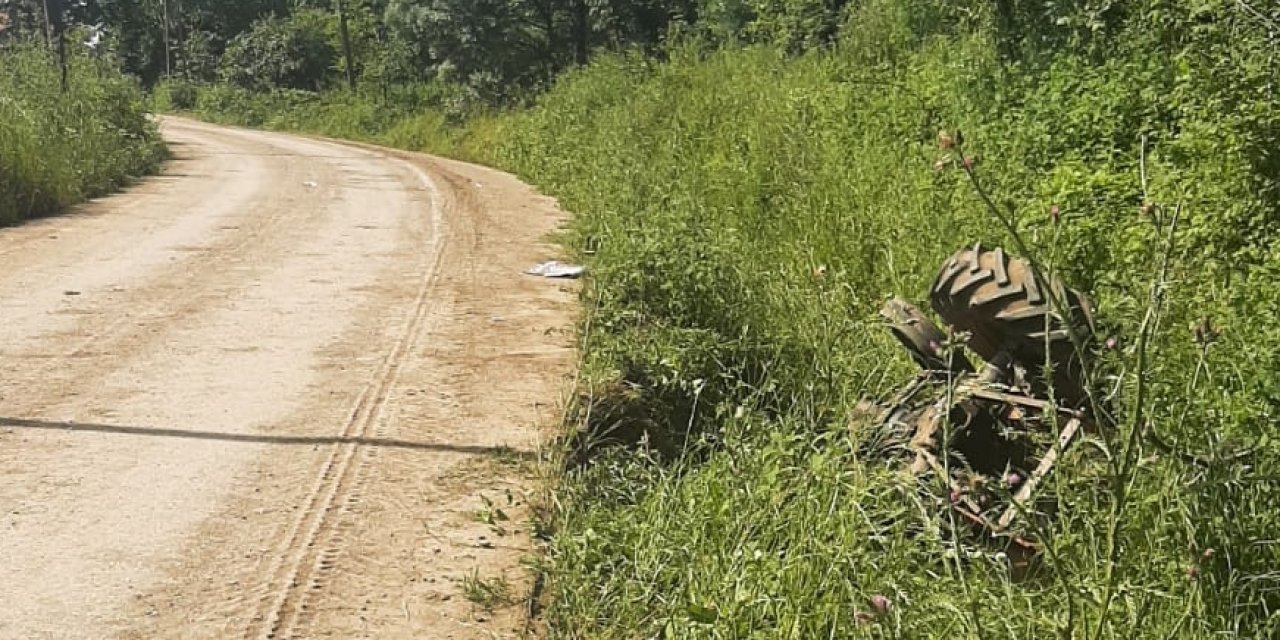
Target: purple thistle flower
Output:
{"points": [[881, 604]]}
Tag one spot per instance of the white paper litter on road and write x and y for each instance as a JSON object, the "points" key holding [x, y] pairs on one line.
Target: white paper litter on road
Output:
{"points": [[554, 269]]}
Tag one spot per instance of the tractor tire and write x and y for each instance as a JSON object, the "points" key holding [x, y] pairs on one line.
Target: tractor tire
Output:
{"points": [[998, 301]]}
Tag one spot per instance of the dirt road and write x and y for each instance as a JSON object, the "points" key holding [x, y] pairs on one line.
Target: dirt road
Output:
{"points": [[288, 389]]}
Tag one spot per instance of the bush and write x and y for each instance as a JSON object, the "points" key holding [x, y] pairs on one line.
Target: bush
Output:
{"points": [[57, 149], [431, 117], [175, 95], [282, 53]]}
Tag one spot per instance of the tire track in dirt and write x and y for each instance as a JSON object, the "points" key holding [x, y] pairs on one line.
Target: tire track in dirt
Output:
{"points": [[144, 358], [272, 408], [414, 548], [309, 549]]}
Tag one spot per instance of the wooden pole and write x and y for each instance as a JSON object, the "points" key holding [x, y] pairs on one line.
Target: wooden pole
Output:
{"points": [[346, 45], [168, 69], [54, 29], [182, 40], [581, 31], [48, 39]]}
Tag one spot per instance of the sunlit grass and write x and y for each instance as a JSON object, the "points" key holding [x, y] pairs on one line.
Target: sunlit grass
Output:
{"points": [[59, 148]]}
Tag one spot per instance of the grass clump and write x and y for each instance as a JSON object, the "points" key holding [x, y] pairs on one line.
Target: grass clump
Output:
{"points": [[58, 148], [488, 593]]}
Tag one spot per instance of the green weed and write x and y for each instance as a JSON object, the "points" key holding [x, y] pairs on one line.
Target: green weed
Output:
{"points": [[424, 118], [750, 211], [488, 593], [58, 148]]}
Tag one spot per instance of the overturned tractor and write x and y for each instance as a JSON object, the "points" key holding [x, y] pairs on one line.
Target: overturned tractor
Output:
{"points": [[989, 436]]}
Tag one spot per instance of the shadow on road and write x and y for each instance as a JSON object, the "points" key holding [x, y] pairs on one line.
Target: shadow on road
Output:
{"points": [[261, 438]]}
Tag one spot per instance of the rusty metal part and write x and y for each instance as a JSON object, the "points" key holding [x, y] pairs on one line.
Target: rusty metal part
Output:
{"points": [[922, 339], [1028, 488], [968, 427]]}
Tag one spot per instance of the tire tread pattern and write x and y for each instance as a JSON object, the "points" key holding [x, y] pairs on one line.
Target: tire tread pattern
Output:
{"points": [[998, 301]]}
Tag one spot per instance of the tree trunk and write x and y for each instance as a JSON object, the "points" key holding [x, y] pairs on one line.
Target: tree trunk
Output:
{"points": [[581, 31], [182, 43], [346, 45], [54, 29], [546, 12], [168, 63]]}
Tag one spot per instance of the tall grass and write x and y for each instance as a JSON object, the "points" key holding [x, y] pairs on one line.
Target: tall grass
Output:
{"points": [[426, 118], [57, 149], [744, 214], [749, 212]]}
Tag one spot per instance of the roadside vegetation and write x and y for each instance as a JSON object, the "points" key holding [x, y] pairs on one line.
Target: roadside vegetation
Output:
{"points": [[58, 148], [747, 211], [750, 210], [750, 180]]}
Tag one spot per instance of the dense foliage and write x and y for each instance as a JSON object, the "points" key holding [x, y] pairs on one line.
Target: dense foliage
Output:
{"points": [[58, 148], [500, 49], [290, 53], [750, 210]]}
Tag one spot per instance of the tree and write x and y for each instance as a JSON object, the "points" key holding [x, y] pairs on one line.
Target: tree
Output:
{"points": [[199, 30], [642, 23], [294, 52], [797, 24], [22, 18], [486, 44], [348, 64], [524, 43]]}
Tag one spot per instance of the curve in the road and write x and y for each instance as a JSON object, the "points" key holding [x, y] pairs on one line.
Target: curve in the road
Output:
{"points": [[364, 307]]}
